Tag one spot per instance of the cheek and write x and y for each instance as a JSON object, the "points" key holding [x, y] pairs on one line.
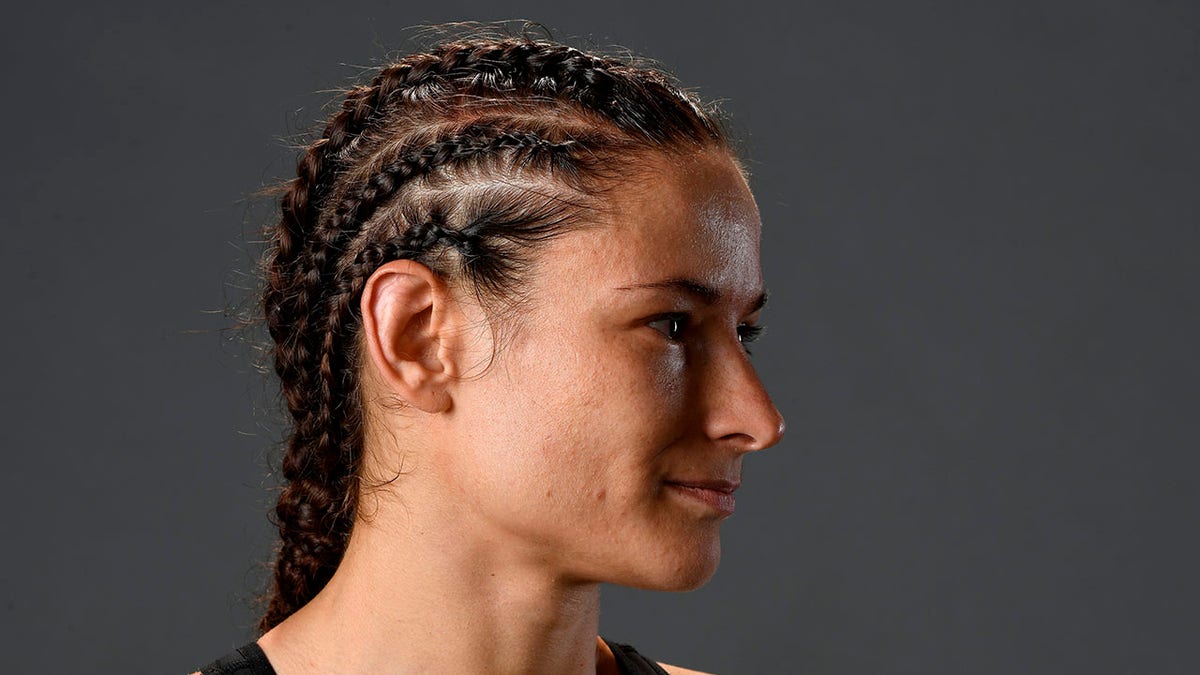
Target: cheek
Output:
{"points": [[530, 417], [567, 413], [669, 369]]}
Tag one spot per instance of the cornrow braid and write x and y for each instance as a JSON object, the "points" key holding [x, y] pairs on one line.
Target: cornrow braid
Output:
{"points": [[463, 158], [474, 142]]}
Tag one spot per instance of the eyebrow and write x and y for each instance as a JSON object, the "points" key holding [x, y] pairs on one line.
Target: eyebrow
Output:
{"points": [[704, 292]]}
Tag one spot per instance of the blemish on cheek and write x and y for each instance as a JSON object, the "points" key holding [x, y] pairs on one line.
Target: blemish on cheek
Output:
{"points": [[601, 495]]}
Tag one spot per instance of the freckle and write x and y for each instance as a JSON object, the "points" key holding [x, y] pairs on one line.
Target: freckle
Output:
{"points": [[549, 493]]}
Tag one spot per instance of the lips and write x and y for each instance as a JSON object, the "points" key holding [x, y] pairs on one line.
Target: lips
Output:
{"points": [[717, 485], [717, 494]]}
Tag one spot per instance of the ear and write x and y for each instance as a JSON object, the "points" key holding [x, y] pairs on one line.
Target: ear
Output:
{"points": [[408, 323]]}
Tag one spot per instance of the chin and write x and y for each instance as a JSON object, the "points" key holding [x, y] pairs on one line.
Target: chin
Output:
{"points": [[679, 570]]}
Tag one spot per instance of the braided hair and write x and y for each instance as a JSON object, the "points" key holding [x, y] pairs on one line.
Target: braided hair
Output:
{"points": [[463, 158]]}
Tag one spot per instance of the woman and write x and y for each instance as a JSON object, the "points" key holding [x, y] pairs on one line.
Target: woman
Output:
{"points": [[510, 295]]}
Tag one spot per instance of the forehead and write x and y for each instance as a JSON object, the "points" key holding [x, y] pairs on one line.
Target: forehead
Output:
{"points": [[691, 215]]}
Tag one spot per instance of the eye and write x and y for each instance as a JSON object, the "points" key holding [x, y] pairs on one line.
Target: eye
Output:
{"points": [[748, 333], [670, 325]]}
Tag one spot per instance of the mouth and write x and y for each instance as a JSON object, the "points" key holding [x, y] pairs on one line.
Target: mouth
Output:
{"points": [[715, 494]]}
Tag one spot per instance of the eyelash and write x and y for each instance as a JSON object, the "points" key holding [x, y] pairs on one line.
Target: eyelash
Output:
{"points": [[747, 333]]}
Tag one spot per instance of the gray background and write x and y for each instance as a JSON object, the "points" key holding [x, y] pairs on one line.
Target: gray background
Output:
{"points": [[982, 242]]}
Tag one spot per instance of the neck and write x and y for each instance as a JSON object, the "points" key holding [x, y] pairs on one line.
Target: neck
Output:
{"points": [[421, 594]]}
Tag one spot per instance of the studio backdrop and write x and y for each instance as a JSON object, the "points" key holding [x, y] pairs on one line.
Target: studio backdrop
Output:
{"points": [[980, 240]]}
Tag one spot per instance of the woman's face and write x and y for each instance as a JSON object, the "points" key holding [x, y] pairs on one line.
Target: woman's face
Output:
{"points": [[626, 383]]}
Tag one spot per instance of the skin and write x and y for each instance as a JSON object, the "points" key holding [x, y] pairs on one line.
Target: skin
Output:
{"points": [[523, 481]]}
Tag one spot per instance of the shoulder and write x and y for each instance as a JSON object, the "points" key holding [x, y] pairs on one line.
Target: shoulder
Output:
{"points": [[676, 670]]}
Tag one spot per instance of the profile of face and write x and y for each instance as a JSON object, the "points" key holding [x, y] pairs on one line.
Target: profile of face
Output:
{"points": [[603, 438]]}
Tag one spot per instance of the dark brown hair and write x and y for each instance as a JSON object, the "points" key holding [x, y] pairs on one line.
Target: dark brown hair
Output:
{"points": [[462, 157]]}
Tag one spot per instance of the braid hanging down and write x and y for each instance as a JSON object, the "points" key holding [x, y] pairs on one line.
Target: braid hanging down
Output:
{"points": [[410, 166]]}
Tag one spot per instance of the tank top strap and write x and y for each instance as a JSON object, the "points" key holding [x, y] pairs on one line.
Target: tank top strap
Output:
{"points": [[631, 662], [245, 660], [250, 660]]}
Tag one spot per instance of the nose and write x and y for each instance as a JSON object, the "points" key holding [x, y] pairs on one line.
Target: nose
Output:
{"points": [[738, 411]]}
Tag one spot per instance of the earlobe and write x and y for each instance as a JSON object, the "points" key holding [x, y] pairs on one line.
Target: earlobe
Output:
{"points": [[405, 315]]}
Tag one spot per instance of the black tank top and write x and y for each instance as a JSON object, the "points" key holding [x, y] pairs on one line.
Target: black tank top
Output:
{"points": [[250, 660]]}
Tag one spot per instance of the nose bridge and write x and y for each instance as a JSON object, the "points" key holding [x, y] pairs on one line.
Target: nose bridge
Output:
{"points": [[739, 409]]}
